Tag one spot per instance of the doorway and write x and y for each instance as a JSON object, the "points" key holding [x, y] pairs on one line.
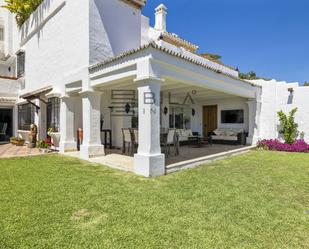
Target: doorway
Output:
{"points": [[210, 119], [6, 124]]}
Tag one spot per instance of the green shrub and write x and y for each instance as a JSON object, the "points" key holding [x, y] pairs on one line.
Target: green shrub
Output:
{"points": [[289, 128], [42, 145], [22, 9]]}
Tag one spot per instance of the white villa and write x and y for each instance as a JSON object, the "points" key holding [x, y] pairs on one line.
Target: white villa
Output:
{"points": [[98, 66]]}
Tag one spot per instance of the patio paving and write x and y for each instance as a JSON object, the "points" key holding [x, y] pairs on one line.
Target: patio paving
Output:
{"points": [[188, 153], [9, 150], [113, 159]]}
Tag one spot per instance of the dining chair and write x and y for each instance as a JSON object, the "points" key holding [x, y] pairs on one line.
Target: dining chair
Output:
{"points": [[135, 139], [170, 140], [127, 141]]}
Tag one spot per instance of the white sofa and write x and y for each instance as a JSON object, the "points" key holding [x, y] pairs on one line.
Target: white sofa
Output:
{"points": [[183, 134], [229, 135]]}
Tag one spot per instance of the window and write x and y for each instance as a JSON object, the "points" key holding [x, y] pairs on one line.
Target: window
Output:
{"points": [[1, 33], [20, 64], [232, 117], [176, 119], [25, 116], [53, 114]]}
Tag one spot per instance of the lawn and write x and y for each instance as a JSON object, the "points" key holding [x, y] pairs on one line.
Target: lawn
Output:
{"points": [[256, 200]]}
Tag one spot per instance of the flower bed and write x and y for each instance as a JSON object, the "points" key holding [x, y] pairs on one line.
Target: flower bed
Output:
{"points": [[276, 145]]}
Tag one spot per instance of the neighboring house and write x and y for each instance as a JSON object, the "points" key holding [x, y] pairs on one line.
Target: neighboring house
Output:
{"points": [[9, 84], [98, 64]]}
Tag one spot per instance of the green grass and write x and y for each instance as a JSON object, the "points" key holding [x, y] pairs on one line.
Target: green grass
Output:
{"points": [[257, 200]]}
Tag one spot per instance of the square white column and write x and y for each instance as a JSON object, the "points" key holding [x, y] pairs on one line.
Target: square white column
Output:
{"points": [[254, 121], [42, 120], [67, 139], [91, 145], [149, 161]]}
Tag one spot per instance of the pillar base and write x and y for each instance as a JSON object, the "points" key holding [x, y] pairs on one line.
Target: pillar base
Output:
{"points": [[67, 146], [149, 165], [253, 140], [88, 151]]}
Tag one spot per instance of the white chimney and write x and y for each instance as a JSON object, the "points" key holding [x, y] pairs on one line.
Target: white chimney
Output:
{"points": [[161, 12]]}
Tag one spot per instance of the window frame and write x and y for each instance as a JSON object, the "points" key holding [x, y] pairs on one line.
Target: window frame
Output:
{"points": [[176, 117], [2, 33], [28, 110], [53, 114], [20, 64]]}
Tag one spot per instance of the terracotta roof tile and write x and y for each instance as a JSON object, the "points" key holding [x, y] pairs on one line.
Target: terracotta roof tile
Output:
{"points": [[168, 51], [176, 40], [136, 3]]}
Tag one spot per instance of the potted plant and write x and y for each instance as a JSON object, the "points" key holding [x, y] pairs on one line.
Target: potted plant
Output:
{"points": [[54, 138], [17, 141], [43, 146]]}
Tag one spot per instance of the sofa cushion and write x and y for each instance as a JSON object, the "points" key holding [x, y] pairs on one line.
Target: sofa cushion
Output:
{"points": [[218, 132], [226, 138], [188, 133], [238, 131], [227, 131], [230, 132], [179, 133], [181, 138]]}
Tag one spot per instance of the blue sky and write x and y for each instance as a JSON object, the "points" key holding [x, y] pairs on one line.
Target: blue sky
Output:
{"points": [[270, 37]]}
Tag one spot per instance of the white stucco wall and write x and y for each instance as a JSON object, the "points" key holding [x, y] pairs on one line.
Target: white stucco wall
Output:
{"points": [[61, 43], [56, 42], [276, 97], [9, 88], [113, 122], [10, 44], [301, 101], [145, 37], [233, 103], [8, 69], [115, 28]]}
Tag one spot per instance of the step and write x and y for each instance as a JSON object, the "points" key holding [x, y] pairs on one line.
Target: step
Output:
{"points": [[189, 164]]}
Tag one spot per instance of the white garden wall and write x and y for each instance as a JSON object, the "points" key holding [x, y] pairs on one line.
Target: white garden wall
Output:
{"points": [[277, 96]]}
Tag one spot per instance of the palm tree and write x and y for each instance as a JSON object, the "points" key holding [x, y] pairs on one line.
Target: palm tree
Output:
{"points": [[22, 9]]}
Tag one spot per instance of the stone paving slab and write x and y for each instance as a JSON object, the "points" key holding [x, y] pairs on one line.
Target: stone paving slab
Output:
{"points": [[9, 150], [113, 160]]}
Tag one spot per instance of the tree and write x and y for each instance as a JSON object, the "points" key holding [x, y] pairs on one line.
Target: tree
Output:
{"points": [[22, 9], [250, 76], [289, 128], [306, 83], [212, 57]]}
